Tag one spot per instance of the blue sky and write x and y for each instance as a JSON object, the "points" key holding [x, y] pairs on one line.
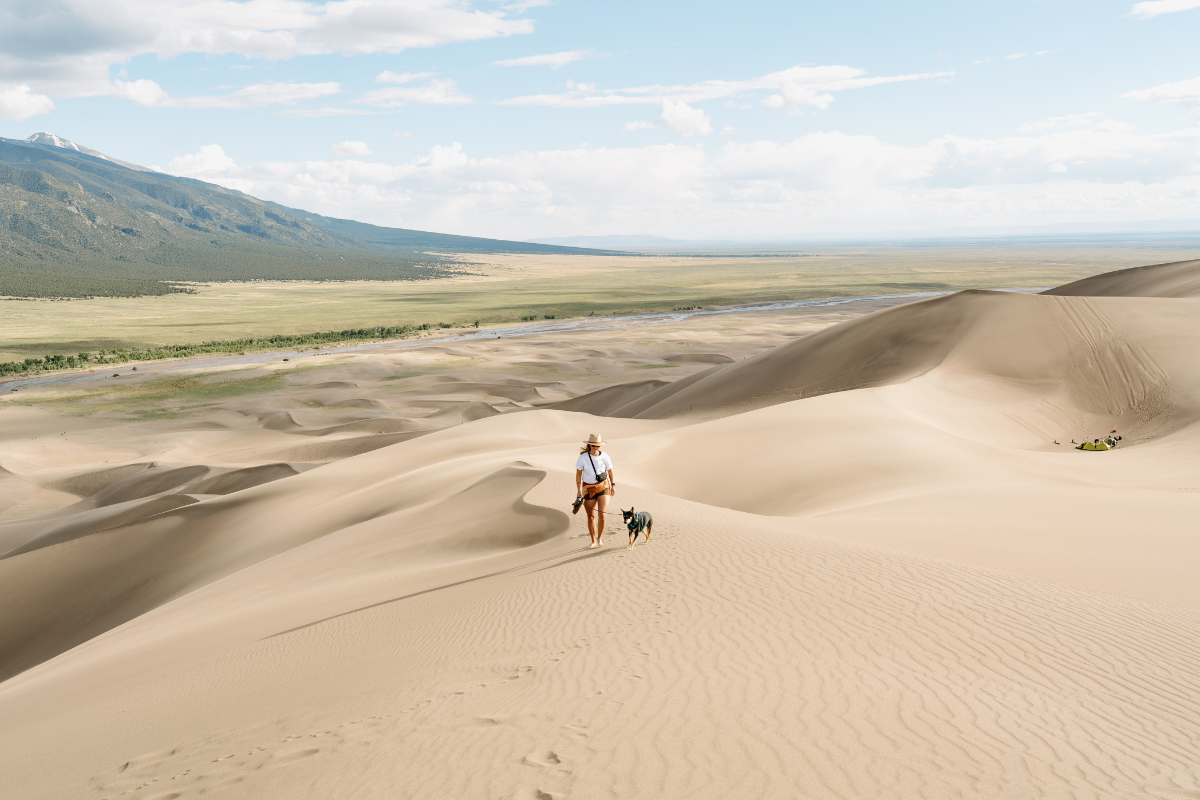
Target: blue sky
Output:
{"points": [[698, 119]]}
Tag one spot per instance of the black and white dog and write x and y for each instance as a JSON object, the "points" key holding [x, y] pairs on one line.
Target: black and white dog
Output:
{"points": [[638, 522]]}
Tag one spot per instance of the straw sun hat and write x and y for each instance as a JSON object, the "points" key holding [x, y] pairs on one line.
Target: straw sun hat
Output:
{"points": [[591, 440]]}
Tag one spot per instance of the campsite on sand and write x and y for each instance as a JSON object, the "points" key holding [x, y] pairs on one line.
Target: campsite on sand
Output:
{"points": [[879, 567]]}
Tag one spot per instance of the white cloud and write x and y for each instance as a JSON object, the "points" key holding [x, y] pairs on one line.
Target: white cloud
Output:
{"points": [[1103, 153], [149, 93], [66, 48], [792, 88], [522, 6], [638, 125], [1156, 7], [683, 119], [401, 135], [351, 149], [1016, 55], [1180, 92], [19, 102], [552, 60], [143, 92], [437, 91], [816, 183], [728, 130], [208, 160]]}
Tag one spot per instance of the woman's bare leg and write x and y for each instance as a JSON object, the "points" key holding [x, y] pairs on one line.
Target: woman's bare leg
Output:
{"points": [[589, 506], [601, 507]]}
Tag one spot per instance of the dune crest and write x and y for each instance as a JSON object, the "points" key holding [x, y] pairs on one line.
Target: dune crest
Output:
{"points": [[1176, 279]]}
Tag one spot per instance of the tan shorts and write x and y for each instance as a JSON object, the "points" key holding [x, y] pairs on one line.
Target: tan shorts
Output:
{"points": [[592, 491]]}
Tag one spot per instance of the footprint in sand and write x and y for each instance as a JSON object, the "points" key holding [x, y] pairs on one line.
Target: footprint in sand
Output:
{"points": [[527, 793], [489, 721], [147, 759], [292, 756], [546, 758], [577, 729]]}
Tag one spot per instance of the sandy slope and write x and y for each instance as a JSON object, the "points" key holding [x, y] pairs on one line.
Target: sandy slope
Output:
{"points": [[1083, 356], [1177, 279], [873, 575]]}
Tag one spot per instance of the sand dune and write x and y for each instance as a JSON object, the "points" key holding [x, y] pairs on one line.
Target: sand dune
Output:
{"points": [[874, 574], [622, 400], [1177, 279], [1073, 352]]}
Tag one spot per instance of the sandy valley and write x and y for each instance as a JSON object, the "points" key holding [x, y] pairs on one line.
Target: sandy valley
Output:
{"points": [[879, 568]]}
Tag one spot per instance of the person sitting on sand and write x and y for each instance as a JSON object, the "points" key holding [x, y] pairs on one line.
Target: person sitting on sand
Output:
{"points": [[594, 484]]}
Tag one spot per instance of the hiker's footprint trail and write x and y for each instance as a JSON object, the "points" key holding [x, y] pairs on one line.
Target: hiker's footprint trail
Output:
{"points": [[846, 671], [216, 767]]}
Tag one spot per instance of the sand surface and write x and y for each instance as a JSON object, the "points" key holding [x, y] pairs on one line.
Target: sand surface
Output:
{"points": [[878, 568], [1177, 279]]}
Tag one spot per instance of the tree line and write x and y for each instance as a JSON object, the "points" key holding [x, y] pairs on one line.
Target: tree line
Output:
{"points": [[53, 363]]}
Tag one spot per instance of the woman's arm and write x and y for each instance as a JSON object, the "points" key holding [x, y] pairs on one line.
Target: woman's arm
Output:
{"points": [[612, 481], [579, 483]]}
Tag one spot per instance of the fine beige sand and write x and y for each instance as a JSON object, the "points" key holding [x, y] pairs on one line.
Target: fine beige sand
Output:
{"points": [[1177, 279], [879, 569]]}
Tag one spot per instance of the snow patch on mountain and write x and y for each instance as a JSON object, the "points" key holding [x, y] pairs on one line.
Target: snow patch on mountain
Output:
{"points": [[47, 139]]}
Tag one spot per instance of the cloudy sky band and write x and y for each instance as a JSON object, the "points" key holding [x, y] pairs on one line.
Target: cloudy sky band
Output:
{"points": [[433, 99]]}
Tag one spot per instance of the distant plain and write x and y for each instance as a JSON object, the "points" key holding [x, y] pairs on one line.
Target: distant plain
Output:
{"points": [[506, 288]]}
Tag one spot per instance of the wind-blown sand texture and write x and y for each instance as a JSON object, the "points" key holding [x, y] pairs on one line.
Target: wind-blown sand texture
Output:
{"points": [[874, 574]]}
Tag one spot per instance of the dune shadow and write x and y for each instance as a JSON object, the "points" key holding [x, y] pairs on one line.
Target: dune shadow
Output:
{"points": [[433, 589]]}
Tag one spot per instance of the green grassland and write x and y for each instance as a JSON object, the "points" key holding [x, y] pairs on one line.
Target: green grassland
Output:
{"points": [[508, 288], [87, 359]]}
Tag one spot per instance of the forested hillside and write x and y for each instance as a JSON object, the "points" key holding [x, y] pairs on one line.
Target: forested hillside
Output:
{"points": [[402, 240], [74, 225]]}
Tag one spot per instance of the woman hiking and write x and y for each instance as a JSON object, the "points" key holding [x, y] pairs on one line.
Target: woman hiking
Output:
{"points": [[594, 484]]}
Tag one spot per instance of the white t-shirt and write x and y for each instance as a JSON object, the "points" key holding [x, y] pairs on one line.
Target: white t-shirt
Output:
{"points": [[603, 463]]}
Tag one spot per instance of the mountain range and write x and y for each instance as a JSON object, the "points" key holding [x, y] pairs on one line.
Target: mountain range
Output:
{"points": [[77, 223]]}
